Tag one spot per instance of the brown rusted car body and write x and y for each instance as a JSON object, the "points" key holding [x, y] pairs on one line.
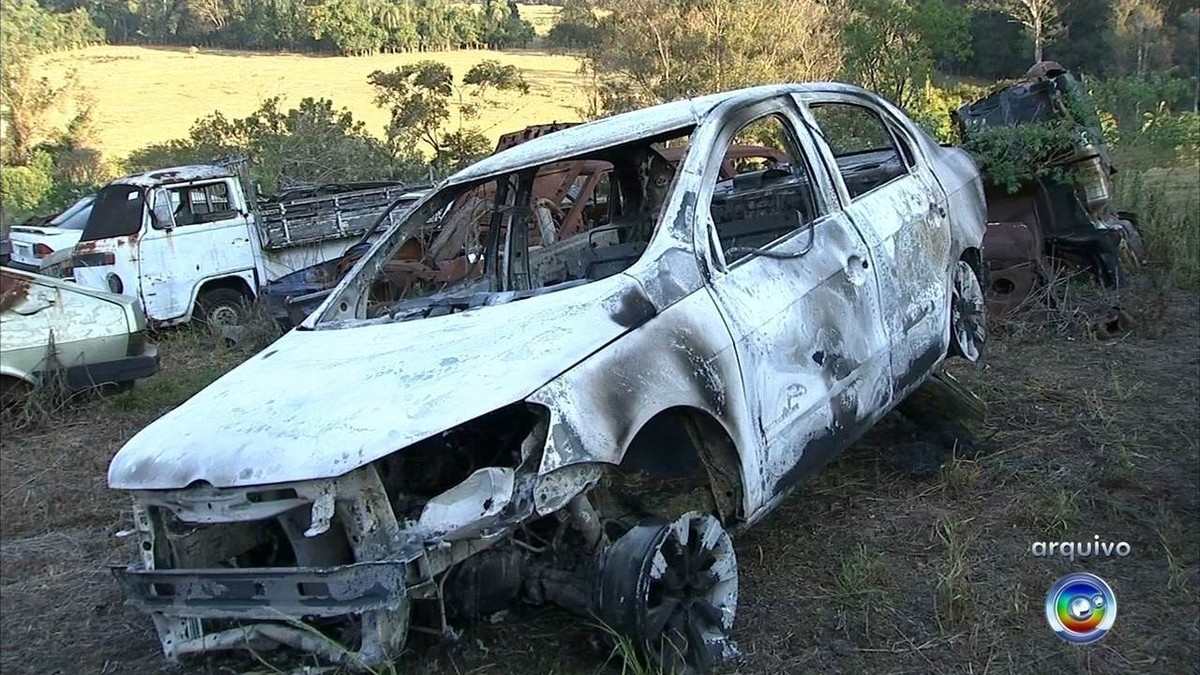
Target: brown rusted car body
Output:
{"points": [[1070, 220]]}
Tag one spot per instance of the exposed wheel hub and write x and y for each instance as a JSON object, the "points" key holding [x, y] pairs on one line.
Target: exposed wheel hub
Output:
{"points": [[223, 315], [672, 588]]}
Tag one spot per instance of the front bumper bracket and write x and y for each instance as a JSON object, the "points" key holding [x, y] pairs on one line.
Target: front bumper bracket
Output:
{"points": [[266, 593]]}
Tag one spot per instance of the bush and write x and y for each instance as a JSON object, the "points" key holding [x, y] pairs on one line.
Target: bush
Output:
{"points": [[23, 189], [312, 143], [1167, 204], [934, 105], [1010, 157]]}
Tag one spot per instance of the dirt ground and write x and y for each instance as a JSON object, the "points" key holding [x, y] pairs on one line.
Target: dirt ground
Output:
{"points": [[868, 568]]}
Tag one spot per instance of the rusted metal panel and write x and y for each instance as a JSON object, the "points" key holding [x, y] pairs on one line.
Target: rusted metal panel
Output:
{"points": [[13, 290], [297, 222], [1075, 219]]}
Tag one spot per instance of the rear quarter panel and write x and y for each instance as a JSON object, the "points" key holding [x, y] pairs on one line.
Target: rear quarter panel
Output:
{"points": [[958, 175]]}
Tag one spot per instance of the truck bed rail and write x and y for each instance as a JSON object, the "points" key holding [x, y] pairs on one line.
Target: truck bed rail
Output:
{"points": [[308, 220]]}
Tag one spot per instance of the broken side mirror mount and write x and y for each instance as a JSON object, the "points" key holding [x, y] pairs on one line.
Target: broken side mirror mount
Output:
{"points": [[161, 215]]}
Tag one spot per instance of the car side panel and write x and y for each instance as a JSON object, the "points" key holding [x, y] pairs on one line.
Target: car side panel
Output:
{"points": [[814, 356], [911, 256], [683, 356]]}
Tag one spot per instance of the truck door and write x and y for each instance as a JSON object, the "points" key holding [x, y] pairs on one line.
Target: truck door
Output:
{"points": [[201, 232]]}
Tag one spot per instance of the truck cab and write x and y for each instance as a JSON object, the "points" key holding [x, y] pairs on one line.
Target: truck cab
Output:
{"points": [[178, 239], [190, 242]]}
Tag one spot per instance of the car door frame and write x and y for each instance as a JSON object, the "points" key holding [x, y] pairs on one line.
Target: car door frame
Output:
{"points": [[915, 256], [793, 448]]}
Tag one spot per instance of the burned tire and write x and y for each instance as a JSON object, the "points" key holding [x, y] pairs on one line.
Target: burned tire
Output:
{"points": [[968, 314], [220, 307], [672, 589]]}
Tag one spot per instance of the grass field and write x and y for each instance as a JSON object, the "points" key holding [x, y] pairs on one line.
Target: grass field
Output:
{"points": [[145, 95]]}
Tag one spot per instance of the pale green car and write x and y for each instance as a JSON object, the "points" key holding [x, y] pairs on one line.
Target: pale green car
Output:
{"points": [[77, 337]]}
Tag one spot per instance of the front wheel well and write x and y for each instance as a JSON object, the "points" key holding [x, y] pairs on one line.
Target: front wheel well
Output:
{"points": [[680, 460]]}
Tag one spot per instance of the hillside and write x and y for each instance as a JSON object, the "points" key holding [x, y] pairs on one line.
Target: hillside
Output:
{"points": [[145, 95]]}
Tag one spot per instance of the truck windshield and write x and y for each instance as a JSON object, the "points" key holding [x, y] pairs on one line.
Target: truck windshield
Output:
{"points": [[117, 212]]}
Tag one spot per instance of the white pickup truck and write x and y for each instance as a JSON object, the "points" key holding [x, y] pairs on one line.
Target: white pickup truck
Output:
{"points": [[190, 242]]}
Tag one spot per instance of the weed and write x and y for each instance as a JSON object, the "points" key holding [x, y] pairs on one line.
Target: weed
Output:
{"points": [[859, 571], [1055, 510], [1018, 603], [257, 329], [1176, 572], [960, 475], [633, 659], [27, 406], [955, 594], [1167, 204]]}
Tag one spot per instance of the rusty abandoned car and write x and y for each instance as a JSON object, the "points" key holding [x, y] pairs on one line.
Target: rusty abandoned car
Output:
{"points": [[1068, 215], [483, 412]]}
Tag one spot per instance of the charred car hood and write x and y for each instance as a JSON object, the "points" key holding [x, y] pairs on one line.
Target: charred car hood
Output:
{"points": [[320, 403]]}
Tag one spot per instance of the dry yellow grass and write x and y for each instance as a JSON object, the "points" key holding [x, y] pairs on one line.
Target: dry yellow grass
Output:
{"points": [[145, 95]]}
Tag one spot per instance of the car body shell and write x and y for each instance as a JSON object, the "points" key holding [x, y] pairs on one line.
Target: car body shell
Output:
{"points": [[59, 234], [786, 355], [279, 441], [50, 328]]}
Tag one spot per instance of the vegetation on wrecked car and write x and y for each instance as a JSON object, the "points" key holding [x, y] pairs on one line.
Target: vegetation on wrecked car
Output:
{"points": [[1010, 157]]}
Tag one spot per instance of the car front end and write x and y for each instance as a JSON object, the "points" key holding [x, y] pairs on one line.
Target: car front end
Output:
{"points": [[61, 334]]}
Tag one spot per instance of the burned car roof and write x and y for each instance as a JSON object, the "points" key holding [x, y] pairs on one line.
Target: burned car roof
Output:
{"points": [[626, 127]]}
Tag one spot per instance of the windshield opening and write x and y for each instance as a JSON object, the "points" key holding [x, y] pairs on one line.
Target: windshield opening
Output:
{"points": [[117, 212], [516, 235]]}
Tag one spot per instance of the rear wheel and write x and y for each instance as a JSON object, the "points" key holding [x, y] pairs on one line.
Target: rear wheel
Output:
{"points": [[968, 317], [221, 307], [1131, 250]]}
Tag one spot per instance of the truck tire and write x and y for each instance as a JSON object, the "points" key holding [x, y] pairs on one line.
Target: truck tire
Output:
{"points": [[220, 307]]}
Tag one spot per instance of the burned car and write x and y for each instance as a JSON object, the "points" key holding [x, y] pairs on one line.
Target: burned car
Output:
{"points": [[476, 415]]}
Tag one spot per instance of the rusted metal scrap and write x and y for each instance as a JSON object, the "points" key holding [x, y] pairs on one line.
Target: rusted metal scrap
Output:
{"points": [[1073, 220]]}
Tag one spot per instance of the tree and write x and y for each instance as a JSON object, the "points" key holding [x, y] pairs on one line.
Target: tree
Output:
{"points": [[1040, 18], [311, 143], [576, 26], [424, 96], [1141, 36], [28, 31], [891, 45], [348, 25], [652, 51]]}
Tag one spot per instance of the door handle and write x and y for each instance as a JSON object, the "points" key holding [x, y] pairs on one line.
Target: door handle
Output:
{"points": [[938, 209], [856, 268]]}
